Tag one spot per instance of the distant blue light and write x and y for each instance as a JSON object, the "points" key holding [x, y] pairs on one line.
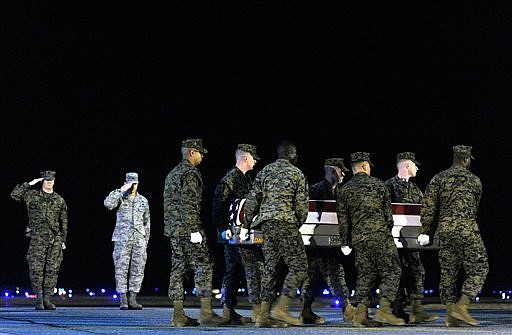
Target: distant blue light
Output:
{"points": [[325, 292], [336, 302], [298, 291], [102, 290], [114, 296], [156, 289], [6, 293]]}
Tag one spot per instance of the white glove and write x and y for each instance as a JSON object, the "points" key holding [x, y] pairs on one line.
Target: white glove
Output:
{"points": [[227, 234], [244, 234], [196, 237], [346, 250], [423, 239], [35, 181]]}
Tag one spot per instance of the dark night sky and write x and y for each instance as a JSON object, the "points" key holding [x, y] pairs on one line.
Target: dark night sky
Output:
{"points": [[97, 91]]}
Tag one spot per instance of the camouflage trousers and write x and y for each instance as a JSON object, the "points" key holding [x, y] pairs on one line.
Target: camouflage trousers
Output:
{"points": [[240, 259], [413, 275], [44, 258], [129, 262], [377, 259], [462, 254], [282, 240], [252, 258], [325, 264], [188, 256]]}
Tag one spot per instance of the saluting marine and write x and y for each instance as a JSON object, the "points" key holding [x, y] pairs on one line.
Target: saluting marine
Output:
{"points": [[48, 229]]}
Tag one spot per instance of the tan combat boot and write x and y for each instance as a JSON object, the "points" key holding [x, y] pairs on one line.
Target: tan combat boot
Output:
{"points": [[263, 320], [179, 319], [360, 318], [349, 312], [450, 321], [281, 312], [207, 316], [418, 313], [385, 315], [256, 309], [460, 311]]}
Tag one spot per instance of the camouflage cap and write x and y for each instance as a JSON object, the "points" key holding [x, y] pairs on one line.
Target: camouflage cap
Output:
{"points": [[194, 143], [48, 175], [463, 150], [248, 148], [360, 157], [336, 162], [132, 178], [407, 156]]}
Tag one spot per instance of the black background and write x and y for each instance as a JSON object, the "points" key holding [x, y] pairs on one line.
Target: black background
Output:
{"points": [[94, 90]]}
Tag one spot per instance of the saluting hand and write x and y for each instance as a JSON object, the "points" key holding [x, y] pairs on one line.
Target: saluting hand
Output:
{"points": [[125, 187], [35, 181]]}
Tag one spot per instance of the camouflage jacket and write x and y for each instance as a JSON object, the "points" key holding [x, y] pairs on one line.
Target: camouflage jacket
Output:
{"points": [[132, 214], [47, 212], [364, 210], [451, 201], [183, 194], [280, 192], [404, 191], [234, 185]]}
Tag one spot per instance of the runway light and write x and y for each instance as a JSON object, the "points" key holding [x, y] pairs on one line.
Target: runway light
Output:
{"points": [[103, 290], [6, 293], [114, 296]]}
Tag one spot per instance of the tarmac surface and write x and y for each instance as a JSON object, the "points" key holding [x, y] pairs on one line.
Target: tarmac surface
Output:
{"points": [[97, 316]]}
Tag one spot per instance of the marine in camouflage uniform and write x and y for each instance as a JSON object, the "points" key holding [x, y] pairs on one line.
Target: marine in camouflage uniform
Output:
{"points": [[326, 262], [182, 195], [130, 237], [279, 198], [48, 225], [235, 184], [365, 221], [404, 190], [450, 206]]}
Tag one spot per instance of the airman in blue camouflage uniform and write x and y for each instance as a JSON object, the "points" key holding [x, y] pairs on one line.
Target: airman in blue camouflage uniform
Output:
{"points": [[326, 263], [182, 195], [280, 200], [365, 221], [130, 237], [404, 190], [48, 226], [450, 207], [235, 184]]}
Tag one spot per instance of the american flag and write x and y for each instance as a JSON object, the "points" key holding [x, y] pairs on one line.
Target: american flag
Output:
{"points": [[236, 213]]}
